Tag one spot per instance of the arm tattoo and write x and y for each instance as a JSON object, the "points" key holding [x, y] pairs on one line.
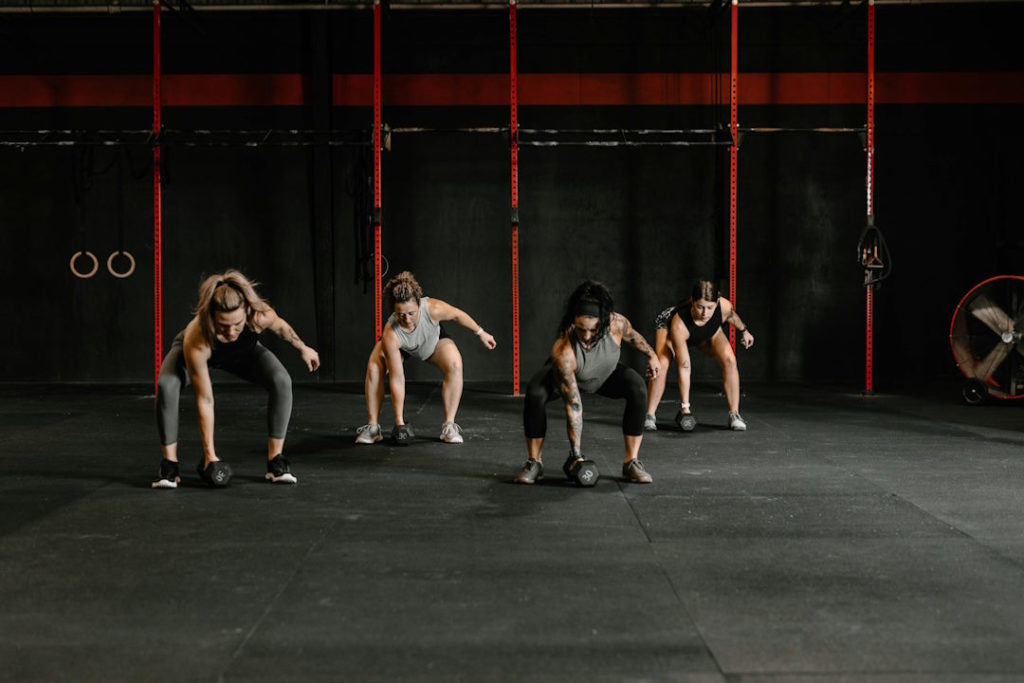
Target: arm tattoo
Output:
{"points": [[638, 342], [635, 339], [288, 334], [573, 403]]}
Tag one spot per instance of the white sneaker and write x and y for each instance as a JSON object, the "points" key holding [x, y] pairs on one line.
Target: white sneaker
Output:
{"points": [[451, 433], [736, 423], [650, 423], [368, 434]]}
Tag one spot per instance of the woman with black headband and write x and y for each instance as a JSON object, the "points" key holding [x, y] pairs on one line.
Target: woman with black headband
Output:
{"points": [[697, 322], [585, 359], [224, 334]]}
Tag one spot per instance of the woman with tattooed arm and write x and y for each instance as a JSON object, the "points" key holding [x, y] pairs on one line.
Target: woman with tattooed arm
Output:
{"points": [[585, 359], [224, 334]]}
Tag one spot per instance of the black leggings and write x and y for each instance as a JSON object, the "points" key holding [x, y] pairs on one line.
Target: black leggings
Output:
{"points": [[259, 367], [624, 382]]}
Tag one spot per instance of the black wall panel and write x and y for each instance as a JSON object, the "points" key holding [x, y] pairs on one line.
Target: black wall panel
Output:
{"points": [[647, 221]]}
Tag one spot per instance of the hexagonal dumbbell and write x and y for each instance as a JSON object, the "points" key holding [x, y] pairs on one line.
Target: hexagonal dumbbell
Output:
{"points": [[581, 471]]}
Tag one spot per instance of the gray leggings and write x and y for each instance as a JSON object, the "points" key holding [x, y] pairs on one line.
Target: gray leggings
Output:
{"points": [[259, 367]]}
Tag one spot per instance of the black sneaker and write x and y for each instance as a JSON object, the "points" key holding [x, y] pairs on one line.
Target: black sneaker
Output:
{"points": [[687, 422], [402, 435], [531, 472], [169, 476], [216, 474], [279, 471]]}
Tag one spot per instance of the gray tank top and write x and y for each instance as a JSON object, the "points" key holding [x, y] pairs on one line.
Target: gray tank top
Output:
{"points": [[422, 341], [595, 365]]}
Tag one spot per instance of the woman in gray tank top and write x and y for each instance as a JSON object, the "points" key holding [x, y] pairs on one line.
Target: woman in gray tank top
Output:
{"points": [[585, 359], [414, 330], [697, 322]]}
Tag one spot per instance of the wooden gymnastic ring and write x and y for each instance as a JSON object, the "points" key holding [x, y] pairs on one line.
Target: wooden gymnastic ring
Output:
{"points": [[110, 264], [95, 264]]}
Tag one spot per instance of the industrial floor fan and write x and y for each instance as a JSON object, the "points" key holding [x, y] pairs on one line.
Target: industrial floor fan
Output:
{"points": [[986, 339]]}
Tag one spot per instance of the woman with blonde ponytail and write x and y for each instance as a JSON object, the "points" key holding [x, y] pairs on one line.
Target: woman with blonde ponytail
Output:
{"points": [[224, 334], [414, 329]]}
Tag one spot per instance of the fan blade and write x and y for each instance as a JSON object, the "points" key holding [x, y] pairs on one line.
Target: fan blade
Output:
{"points": [[995, 318], [993, 360]]}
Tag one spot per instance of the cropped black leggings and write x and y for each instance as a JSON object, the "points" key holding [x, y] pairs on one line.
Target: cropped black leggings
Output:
{"points": [[259, 367], [624, 382]]}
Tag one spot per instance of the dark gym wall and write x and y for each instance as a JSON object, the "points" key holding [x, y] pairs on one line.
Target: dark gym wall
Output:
{"points": [[647, 221]]}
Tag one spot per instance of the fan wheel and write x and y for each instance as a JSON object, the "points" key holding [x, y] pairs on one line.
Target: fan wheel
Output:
{"points": [[986, 336]]}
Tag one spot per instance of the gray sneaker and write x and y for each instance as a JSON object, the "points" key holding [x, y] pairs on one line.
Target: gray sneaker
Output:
{"points": [[634, 471], [531, 472], [736, 423], [650, 423], [368, 434], [451, 432]]}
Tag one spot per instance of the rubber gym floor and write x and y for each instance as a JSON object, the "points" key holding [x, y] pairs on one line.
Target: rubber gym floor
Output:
{"points": [[841, 538]]}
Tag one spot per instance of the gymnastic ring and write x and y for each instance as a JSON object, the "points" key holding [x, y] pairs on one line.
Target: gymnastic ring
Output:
{"points": [[110, 264], [95, 264]]}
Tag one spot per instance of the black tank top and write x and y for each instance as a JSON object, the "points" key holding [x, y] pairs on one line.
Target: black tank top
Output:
{"points": [[699, 333], [225, 354]]}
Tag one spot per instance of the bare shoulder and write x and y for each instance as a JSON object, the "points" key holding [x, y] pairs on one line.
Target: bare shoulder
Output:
{"points": [[677, 328], [562, 353], [193, 338], [618, 323], [388, 336], [725, 305], [439, 310], [263, 320], [194, 345]]}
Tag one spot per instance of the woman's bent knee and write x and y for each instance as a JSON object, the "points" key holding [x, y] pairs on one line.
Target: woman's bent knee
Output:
{"points": [[281, 384], [168, 385]]}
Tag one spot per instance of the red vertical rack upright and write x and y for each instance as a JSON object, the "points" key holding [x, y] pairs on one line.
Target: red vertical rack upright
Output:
{"points": [[377, 303], [733, 158], [514, 163], [158, 275], [869, 345]]}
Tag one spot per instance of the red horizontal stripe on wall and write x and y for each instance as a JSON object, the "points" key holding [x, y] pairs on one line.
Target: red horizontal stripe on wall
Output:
{"points": [[803, 88], [76, 91], [233, 90], [951, 87], [418, 90], [615, 89]]}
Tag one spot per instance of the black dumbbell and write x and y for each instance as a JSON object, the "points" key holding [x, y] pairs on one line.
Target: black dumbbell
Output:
{"points": [[216, 474], [581, 471]]}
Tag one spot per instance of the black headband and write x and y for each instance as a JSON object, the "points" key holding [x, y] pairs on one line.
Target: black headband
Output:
{"points": [[588, 308], [238, 289]]}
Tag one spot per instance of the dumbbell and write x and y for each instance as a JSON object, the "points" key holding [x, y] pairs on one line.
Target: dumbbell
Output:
{"points": [[581, 471], [216, 474]]}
